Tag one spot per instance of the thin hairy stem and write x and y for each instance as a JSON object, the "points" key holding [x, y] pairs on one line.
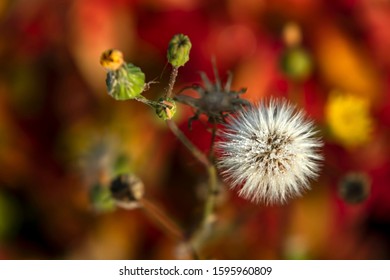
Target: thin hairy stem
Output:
{"points": [[212, 184], [212, 142], [204, 231], [208, 212], [146, 101], [167, 224], [172, 81], [212, 194], [186, 142]]}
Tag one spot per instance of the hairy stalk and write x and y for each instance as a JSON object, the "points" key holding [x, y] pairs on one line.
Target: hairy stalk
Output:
{"points": [[166, 223], [186, 142], [208, 212], [202, 233], [211, 196], [172, 81], [212, 142], [212, 184], [146, 101]]}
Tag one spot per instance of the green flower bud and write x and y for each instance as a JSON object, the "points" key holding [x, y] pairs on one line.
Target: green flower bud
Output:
{"points": [[166, 108], [127, 82], [296, 63], [179, 50], [102, 199]]}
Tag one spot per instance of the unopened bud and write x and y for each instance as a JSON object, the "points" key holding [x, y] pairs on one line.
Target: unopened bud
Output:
{"points": [[166, 108], [296, 63], [111, 59], [292, 35], [179, 50]]}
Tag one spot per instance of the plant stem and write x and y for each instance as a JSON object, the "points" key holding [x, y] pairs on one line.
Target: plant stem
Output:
{"points": [[213, 134], [212, 184], [146, 101], [201, 234], [211, 196], [172, 81], [153, 211], [191, 147]]}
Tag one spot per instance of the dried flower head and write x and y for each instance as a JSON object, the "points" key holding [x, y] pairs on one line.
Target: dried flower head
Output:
{"points": [[271, 151], [215, 100], [127, 190]]}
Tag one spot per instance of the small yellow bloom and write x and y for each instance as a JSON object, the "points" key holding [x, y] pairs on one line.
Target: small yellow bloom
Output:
{"points": [[349, 119], [111, 59]]}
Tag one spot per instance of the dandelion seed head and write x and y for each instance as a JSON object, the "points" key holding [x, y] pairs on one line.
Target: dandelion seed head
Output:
{"points": [[271, 150]]}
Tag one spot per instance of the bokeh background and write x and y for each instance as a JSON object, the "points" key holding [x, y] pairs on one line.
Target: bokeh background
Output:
{"points": [[61, 133]]}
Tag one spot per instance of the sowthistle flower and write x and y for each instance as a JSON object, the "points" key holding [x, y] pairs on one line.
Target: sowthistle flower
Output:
{"points": [[349, 119], [269, 150]]}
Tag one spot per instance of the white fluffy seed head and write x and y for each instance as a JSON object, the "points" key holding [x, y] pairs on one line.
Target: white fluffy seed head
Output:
{"points": [[271, 151]]}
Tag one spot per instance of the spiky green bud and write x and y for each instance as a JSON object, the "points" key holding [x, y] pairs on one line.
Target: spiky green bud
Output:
{"points": [[179, 50], [127, 82]]}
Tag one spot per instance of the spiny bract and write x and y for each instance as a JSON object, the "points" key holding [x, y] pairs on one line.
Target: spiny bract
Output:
{"points": [[215, 101]]}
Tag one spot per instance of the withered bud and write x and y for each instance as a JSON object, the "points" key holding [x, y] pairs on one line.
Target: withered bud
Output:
{"points": [[127, 190], [354, 188]]}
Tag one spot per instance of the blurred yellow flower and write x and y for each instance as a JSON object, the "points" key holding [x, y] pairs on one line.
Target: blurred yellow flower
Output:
{"points": [[111, 59], [349, 119]]}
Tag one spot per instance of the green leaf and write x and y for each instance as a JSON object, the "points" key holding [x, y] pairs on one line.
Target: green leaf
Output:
{"points": [[127, 82]]}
